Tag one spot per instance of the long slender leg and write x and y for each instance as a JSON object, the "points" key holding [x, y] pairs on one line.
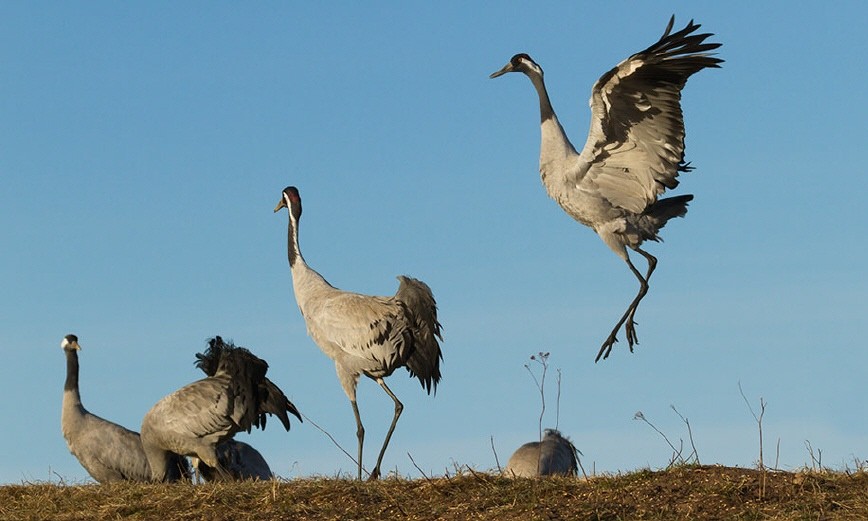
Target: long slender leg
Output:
{"points": [[360, 434], [398, 408], [629, 326], [631, 310]]}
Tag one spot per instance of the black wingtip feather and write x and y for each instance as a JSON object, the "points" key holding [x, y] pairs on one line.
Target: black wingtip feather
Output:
{"points": [[271, 399], [683, 44]]}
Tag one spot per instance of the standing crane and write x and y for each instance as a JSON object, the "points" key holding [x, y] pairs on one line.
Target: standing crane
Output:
{"points": [[195, 419], [366, 335], [634, 150], [108, 451]]}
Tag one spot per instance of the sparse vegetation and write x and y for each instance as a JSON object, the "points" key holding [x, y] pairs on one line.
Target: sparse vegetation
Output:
{"points": [[677, 457], [680, 492]]}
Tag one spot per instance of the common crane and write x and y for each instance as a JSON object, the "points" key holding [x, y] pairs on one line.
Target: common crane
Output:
{"points": [[366, 335], [238, 460], [634, 150], [554, 455], [195, 419], [106, 450]]}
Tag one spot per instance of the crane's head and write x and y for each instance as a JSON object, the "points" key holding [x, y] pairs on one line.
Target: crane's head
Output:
{"points": [[519, 63], [291, 200], [70, 343], [210, 359]]}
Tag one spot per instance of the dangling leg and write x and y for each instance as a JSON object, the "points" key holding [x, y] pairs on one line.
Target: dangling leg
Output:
{"points": [[398, 408], [643, 289], [631, 310], [360, 434]]}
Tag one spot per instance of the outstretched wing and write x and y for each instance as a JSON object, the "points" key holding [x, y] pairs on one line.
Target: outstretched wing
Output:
{"points": [[635, 146]]}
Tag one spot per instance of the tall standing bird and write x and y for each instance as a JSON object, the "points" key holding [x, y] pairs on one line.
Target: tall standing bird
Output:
{"points": [[554, 455], [634, 150], [195, 419], [366, 335], [106, 450]]}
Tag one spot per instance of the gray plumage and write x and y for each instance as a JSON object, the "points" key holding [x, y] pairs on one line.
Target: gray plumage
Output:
{"points": [[108, 451], [634, 150], [366, 335], [238, 460], [554, 455], [195, 419]]}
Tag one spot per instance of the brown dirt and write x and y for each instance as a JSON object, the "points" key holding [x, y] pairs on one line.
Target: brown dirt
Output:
{"points": [[697, 492]]}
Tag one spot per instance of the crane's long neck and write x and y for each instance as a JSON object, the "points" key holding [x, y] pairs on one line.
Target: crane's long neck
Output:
{"points": [[293, 252], [72, 412], [305, 280], [70, 388], [545, 105], [556, 151]]}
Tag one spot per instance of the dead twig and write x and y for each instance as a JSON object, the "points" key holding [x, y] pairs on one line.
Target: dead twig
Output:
{"points": [[418, 468], [676, 453], [338, 445], [759, 421], [496, 460], [695, 454]]}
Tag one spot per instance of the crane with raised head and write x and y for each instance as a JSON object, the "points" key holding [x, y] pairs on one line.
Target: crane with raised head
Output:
{"points": [[108, 451], [634, 151], [363, 334]]}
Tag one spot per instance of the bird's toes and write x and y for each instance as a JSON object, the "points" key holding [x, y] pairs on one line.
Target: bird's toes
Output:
{"points": [[630, 329], [607, 347]]}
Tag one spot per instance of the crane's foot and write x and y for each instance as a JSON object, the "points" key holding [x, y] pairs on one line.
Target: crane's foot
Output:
{"points": [[374, 475], [607, 346], [630, 329]]}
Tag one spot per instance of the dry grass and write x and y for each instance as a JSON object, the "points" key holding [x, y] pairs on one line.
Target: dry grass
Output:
{"points": [[687, 492]]}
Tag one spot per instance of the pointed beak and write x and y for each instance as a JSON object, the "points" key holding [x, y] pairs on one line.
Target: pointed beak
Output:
{"points": [[506, 68], [66, 344], [281, 204]]}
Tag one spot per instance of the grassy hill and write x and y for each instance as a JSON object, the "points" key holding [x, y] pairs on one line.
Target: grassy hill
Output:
{"points": [[685, 492]]}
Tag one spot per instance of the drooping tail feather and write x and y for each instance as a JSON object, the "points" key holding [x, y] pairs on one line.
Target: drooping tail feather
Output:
{"points": [[273, 401], [246, 368], [424, 363], [655, 216]]}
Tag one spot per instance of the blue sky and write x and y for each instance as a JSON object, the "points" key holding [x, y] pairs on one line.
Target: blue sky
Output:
{"points": [[144, 147]]}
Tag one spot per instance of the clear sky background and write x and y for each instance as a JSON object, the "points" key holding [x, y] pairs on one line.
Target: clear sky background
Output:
{"points": [[143, 148]]}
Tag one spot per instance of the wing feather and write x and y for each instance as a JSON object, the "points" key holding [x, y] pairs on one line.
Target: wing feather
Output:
{"points": [[635, 144], [202, 408], [373, 328], [424, 363]]}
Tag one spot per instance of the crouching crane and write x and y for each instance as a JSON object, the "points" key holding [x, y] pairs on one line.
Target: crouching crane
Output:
{"points": [[554, 455], [194, 420], [238, 461]]}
